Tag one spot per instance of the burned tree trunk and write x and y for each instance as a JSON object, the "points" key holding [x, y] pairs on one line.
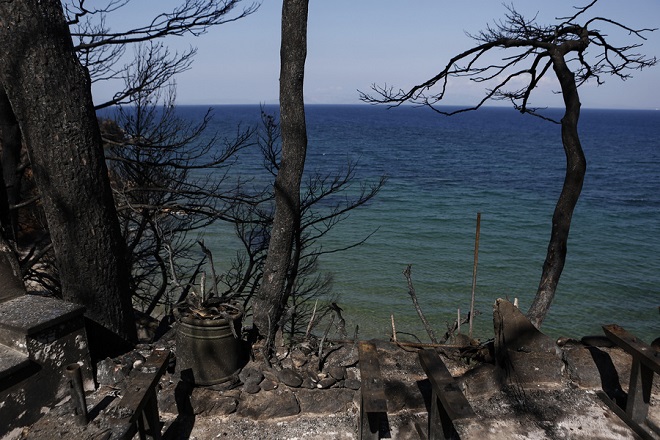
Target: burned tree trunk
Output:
{"points": [[271, 299], [50, 95], [576, 167]]}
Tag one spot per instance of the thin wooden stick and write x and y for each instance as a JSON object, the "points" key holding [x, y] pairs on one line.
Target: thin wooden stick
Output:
{"points": [[458, 321], [311, 320], [474, 270], [413, 296], [393, 328]]}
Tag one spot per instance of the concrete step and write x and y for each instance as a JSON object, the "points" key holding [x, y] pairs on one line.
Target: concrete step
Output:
{"points": [[11, 361]]}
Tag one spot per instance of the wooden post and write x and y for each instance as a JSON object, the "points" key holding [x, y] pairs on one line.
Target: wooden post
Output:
{"points": [[474, 270]]}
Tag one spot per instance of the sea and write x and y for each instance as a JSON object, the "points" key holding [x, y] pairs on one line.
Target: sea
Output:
{"points": [[504, 166]]}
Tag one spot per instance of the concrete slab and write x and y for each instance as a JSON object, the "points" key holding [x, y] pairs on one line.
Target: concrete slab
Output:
{"points": [[30, 314]]}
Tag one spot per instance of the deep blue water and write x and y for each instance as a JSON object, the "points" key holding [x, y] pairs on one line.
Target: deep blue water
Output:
{"points": [[510, 168]]}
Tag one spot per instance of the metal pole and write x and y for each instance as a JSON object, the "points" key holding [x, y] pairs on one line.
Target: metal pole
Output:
{"points": [[74, 375]]}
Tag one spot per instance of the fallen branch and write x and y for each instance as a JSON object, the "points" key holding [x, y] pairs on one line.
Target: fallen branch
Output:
{"points": [[413, 296]]}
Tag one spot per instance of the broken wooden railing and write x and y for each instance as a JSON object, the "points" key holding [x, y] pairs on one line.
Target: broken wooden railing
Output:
{"points": [[448, 403], [373, 403], [137, 410], [645, 363]]}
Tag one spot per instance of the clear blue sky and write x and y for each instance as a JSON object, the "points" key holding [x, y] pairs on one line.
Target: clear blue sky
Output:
{"points": [[354, 43]]}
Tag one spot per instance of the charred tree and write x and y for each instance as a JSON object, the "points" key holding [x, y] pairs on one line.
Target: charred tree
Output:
{"points": [[534, 50], [271, 299], [49, 92]]}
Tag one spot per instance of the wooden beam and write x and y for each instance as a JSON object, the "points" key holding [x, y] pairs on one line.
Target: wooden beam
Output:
{"points": [[645, 362], [137, 410], [373, 403], [448, 403], [644, 353]]}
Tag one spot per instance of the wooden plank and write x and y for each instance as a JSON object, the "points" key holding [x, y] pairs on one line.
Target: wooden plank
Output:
{"points": [[139, 400], [644, 353], [372, 388], [445, 386], [136, 393]]}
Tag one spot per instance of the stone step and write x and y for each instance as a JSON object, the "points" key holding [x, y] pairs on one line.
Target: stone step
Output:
{"points": [[11, 361], [28, 315]]}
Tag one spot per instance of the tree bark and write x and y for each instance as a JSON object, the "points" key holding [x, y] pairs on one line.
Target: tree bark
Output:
{"points": [[576, 167], [270, 301], [50, 95], [10, 140]]}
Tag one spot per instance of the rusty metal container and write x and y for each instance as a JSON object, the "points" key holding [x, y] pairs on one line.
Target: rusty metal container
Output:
{"points": [[207, 352]]}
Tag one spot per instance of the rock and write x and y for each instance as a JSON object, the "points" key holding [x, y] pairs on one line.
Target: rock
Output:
{"points": [[341, 356], [251, 378], [290, 378], [308, 383], [298, 358], [269, 404], [326, 383], [334, 400], [110, 372], [249, 374], [251, 388], [339, 373], [353, 373], [352, 384], [268, 384]]}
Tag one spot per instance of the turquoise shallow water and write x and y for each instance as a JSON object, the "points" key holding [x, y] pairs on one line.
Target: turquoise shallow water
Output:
{"points": [[508, 167]]}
